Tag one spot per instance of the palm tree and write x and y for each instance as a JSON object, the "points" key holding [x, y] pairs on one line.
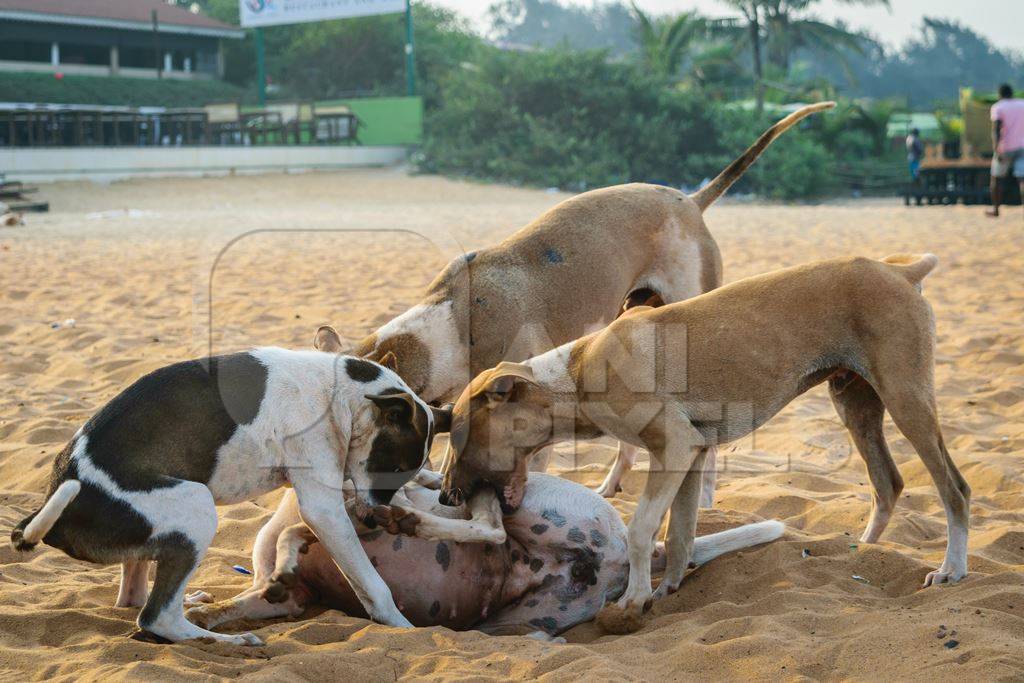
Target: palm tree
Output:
{"points": [[665, 42], [788, 32], [751, 34], [777, 23]]}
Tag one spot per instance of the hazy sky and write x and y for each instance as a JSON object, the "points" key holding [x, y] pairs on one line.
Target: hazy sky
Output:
{"points": [[1002, 21]]}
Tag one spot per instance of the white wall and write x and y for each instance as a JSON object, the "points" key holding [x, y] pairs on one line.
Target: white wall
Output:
{"points": [[113, 163]]}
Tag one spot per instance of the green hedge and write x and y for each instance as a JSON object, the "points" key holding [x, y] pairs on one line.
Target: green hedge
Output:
{"points": [[577, 120], [132, 92]]}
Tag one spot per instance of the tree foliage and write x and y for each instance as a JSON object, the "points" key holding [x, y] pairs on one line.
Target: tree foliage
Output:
{"points": [[666, 42], [577, 120], [536, 104]]}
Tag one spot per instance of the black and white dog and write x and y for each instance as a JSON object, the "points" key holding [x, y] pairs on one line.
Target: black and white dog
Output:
{"points": [[140, 481]]}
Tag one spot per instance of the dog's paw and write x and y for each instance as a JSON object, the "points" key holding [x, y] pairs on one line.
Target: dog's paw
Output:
{"points": [[280, 587], [666, 588], [396, 520], [197, 598], [943, 575], [621, 620], [249, 639]]}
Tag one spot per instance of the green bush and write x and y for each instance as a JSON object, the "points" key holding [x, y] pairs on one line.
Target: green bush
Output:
{"points": [[132, 92], [571, 119], [576, 120], [796, 166]]}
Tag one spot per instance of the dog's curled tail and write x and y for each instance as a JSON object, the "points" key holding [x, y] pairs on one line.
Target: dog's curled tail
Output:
{"points": [[914, 267], [32, 529], [707, 548], [707, 195]]}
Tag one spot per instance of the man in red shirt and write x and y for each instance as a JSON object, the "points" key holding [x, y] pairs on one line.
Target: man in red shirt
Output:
{"points": [[1008, 143]]}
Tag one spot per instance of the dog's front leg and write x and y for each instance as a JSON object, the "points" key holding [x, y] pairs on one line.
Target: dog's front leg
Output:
{"points": [[675, 454], [322, 508], [484, 525], [624, 461], [626, 614], [682, 527]]}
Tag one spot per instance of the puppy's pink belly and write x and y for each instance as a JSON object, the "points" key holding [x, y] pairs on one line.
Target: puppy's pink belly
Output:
{"points": [[449, 584]]}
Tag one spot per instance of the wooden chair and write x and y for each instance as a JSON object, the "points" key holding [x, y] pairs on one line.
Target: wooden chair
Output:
{"points": [[333, 123], [223, 123], [296, 119]]}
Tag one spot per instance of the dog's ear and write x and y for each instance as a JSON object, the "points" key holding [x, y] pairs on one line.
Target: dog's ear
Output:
{"points": [[390, 361], [327, 339], [442, 418], [397, 408], [503, 380]]}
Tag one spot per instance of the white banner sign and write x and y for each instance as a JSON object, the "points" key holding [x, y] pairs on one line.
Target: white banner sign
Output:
{"points": [[270, 12]]}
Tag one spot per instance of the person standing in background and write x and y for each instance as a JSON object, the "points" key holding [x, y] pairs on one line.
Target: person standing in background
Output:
{"points": [[915, 153], [1007, 143]]}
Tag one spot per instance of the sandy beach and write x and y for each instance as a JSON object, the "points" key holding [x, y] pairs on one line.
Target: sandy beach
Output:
{"points": [[155, 271]]}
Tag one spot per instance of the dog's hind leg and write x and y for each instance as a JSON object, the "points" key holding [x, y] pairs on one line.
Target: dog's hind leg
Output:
{"points": [[640, 298], [861, 411], [624, 461], [264, 550], [291, 543], [708, 478], [178, 544], [134, 584], [913, 411], [248, 604]]}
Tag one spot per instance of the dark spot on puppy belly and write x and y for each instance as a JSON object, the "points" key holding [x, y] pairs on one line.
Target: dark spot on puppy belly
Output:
{"points": [[443, 555], [361, 370], [547, 624], [539, 528], [169, 424], [536, 564], [598, 539], [576, 536], [435, 609], [554, 517]]}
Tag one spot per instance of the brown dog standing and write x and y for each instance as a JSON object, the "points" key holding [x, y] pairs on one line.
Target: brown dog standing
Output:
{"points": [[566, 274], [679, 379]]}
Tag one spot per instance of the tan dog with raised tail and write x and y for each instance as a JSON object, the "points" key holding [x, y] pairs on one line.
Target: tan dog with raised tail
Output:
{"points": [[680, 379], [566, 274]]}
